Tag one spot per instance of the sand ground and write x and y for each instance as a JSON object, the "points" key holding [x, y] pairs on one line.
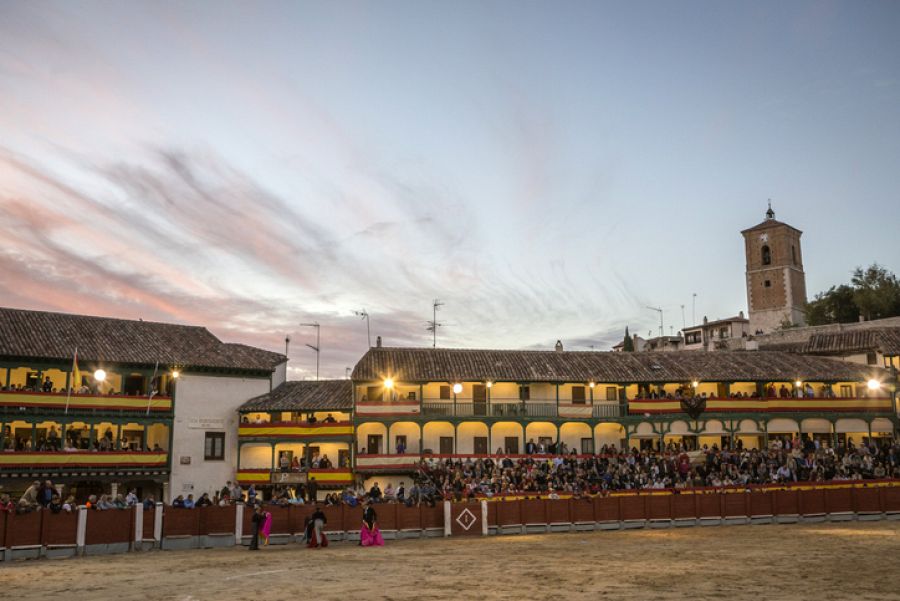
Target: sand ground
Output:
{"points": [[855, 560]]}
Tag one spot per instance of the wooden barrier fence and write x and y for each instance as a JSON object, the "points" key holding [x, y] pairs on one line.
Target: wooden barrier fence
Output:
{"points": [[43, 533]]}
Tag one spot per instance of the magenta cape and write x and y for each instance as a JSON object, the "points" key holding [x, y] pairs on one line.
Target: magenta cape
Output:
{"points": [[267, 525], [370, 538]]}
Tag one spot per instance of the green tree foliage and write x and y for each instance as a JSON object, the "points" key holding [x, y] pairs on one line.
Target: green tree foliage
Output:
{"points": [[836, 305], [876, 291], [628, 343], [873, 292]]}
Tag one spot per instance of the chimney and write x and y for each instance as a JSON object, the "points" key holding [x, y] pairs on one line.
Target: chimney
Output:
{"points": [[705, 320], [378, 342], [559, 346]]}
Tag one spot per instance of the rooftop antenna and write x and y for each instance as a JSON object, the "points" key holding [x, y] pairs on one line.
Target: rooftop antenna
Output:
{"points": [[287, 345], [316, 348], [433, 325], [683, 324], [365, 315], [660, 311], [694, 309]]}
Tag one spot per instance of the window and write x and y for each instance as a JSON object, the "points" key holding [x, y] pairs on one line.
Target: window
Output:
{"points": [[587, 446], [374, 393], [767, 283], [612, 394], [693, 337], [766, 255], [445, 393], [578, 395], [871, 358], [214, 447], [524, 393], [411, 396]]}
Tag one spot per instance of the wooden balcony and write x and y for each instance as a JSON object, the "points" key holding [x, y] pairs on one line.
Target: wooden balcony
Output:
{"points": [[80, 460], [83, 402], [766, 405], [296, 431]]}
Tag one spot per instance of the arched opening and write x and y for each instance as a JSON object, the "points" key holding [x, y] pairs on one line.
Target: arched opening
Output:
{"points": [[371, 438], [766, 255], [507, 438], [543, 435], [576, 436], [472, 439], [439, 438], [404, 437], [609, 435]]}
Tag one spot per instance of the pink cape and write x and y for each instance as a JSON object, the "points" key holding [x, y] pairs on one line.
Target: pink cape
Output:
{"points": [[370, 538], [267, 525]]}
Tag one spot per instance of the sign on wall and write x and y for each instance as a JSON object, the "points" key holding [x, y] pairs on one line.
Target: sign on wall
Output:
{"points": [[207, 423]]}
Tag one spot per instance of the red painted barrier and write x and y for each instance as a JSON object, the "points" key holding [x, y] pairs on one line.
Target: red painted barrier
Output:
{"points": [[866, 500], [59, 528], [492, 514], [178, 521], [812, 502], [659, 507], [534, 511], [557, 512], [149, 518], [387, 515], [432, 517], [216, 520], [709, 506], [353, 518], [334, 518], [762, 503], [684, 507], [890, 499], [634, 508], [509, 513], [606, 509], [838, 500], [109, 526], [3, 516], [408, 518], [23, 529], [787, 502], [736, 504], [581, 510]]}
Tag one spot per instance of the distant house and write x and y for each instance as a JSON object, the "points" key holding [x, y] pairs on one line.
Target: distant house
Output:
{"points": [[713, 335]]}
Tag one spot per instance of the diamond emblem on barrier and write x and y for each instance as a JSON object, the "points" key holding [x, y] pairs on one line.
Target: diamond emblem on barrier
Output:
{"points": [[466, 519]]}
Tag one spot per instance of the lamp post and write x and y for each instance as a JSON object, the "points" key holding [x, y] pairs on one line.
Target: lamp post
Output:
{"points": [[316, 348], [365, 315]]}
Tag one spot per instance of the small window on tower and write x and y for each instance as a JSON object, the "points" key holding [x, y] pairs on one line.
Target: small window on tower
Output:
{"points": [[768, 283], [766, 255]]}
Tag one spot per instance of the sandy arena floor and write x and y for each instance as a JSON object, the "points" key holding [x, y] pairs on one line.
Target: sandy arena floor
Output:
{"points": [[808, 561]]}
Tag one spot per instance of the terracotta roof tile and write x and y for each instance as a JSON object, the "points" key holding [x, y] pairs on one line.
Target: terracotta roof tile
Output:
{"points": [[324, 395], [450, 365], [53, 337]]}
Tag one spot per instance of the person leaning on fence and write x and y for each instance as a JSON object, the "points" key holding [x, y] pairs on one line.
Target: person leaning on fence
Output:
{"points": [[257, 521]]}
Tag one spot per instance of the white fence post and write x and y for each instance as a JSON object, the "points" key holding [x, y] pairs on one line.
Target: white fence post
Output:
{"points": [[81, 530], [238, 523], [484, 517], [157, 524], [138, 525], [447, 515]]}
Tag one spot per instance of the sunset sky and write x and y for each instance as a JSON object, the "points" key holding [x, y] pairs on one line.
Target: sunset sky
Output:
{"points": [[547, 170]]}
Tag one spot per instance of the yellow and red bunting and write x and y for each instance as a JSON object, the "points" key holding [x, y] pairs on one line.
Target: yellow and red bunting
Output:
{"points": [[289, 430], [786, 405], [44, 460], [83, 401]]}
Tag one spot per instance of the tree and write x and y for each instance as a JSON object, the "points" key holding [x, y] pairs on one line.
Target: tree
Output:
{"points": [[628, 343], [876, 292], [836, 305], [873, 292]]}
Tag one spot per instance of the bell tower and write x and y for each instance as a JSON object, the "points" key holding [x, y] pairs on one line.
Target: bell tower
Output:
{"points": [[776, 283]]}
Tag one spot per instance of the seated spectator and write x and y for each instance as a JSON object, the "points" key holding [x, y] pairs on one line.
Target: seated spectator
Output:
{"points": [[69, 506], [329, 419], [178, 502], [204, 501], [189, 502]]}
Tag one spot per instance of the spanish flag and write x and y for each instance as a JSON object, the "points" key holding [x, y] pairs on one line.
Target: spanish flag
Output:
{"points": [[75, 381]]}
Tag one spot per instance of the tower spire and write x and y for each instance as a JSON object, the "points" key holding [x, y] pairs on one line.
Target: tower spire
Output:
{"points": [[770, 214]]}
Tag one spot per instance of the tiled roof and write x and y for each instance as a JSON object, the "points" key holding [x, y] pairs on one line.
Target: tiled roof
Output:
{"points": [[451, 365], [767, 224], [324, 395], [49, 336], [885, 340]]}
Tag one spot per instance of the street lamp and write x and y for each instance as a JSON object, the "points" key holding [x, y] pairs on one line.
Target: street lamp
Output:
{"points": [[457, 388], [100, 375]]}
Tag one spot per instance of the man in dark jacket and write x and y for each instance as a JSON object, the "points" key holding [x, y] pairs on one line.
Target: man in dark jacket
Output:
{"points": [[256, 521]]}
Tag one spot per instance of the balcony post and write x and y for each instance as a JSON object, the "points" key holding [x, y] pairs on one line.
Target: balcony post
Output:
{"points": [[454, 403], [557, 412], [34, 434]]}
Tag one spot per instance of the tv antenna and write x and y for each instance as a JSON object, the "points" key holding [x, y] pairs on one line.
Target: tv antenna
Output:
{"points": [[660, 311], [365, 315], [316, 348], [433, 325]]}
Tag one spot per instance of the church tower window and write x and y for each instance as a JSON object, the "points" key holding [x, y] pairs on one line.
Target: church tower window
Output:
{"points": [[766, 255]]}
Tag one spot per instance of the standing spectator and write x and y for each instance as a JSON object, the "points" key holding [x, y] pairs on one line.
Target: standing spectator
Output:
{"points": [[312, 489]]}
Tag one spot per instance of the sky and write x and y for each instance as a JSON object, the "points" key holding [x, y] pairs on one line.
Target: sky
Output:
{"points": [[548, 170]]}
